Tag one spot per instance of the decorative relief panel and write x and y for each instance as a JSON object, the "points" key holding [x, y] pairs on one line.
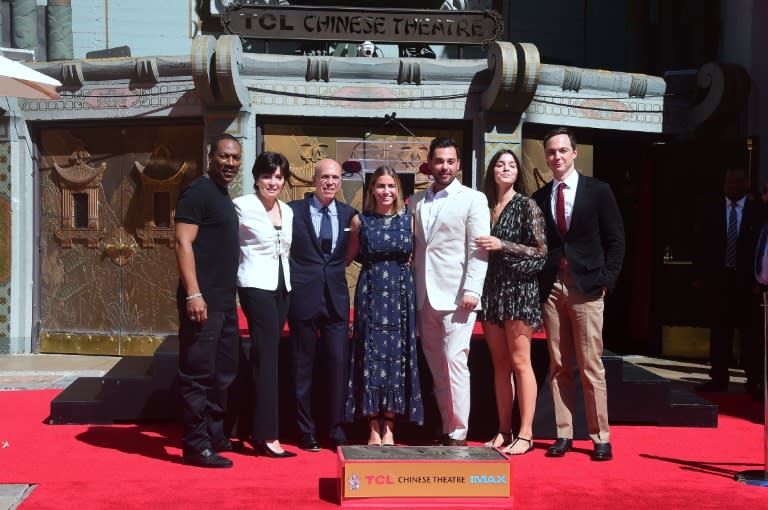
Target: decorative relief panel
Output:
{"points": [[122, 289], [79, 184], [6, 240], [161, 185], [302, 95]]}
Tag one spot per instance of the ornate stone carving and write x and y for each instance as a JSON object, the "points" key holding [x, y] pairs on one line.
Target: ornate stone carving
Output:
{"points": [[146, 70], [161, 185], [638, 87], [410, 72], [572, 79], [217, 80], [79, 182], [203, 48], [515, 68], [317, 69], [72, 75], [229, 60], [722, 89]]}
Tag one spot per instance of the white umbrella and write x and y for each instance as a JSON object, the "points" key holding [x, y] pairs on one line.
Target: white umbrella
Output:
{"points": [[18, 80]]}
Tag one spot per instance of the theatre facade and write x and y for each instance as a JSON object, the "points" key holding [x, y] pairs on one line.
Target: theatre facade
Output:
{"points": [[88, 183]]}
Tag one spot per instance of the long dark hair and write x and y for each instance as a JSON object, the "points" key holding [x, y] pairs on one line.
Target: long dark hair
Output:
{"points": [[489, 182]]}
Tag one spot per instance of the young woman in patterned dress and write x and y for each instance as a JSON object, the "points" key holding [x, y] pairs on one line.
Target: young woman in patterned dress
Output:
{"points": [[517, 252]]}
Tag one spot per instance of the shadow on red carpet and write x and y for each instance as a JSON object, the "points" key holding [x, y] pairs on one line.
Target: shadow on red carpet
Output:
{"points": [[139, 467]]}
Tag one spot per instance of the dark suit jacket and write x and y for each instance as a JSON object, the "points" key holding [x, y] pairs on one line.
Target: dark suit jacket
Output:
{"points": [[594, 243], [311, 274], [710, 233]]}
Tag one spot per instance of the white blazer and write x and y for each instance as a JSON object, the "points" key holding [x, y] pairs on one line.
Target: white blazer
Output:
{"points": [[261, 245], [448, 262]]}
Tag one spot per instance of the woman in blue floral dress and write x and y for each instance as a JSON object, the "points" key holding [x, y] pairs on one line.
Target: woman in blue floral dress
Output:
{"points": [[384, 376]]}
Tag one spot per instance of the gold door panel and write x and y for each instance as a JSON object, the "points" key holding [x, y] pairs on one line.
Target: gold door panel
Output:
{"points": [[108, 269]]}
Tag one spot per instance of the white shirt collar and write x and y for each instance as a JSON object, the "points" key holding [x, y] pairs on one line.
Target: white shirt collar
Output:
{"points": [[317, 205], [451, 188], [571, 181]]}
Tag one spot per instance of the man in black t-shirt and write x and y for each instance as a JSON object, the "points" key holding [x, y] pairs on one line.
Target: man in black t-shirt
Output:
{"points": [[207, 253]]}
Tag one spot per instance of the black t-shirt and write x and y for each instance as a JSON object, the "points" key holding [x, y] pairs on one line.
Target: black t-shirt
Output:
{"points": [[216, 248]]}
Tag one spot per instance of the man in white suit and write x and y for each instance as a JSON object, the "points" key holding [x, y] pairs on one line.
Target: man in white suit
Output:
{"points": [[449, 270]]}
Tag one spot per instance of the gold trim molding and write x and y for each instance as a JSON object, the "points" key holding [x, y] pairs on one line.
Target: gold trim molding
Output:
{"points": [[97, 344]]}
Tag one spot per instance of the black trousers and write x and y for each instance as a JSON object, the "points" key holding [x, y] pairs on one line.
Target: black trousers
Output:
{"points": [[734, 306], [208, 358], [323, 340], [265, 311]]}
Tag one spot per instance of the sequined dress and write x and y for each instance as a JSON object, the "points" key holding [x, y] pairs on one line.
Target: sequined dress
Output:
{"points": [[384, 375]]}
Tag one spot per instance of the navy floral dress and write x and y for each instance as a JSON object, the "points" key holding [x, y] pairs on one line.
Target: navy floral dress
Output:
{"points": [[384, 375]]}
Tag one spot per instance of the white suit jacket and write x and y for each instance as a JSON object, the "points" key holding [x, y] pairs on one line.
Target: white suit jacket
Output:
{"points": [[448, 262], [261, 245]]}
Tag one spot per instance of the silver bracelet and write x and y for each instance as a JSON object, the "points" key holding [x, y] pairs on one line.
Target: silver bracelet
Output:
{"points": [[194, 296]]}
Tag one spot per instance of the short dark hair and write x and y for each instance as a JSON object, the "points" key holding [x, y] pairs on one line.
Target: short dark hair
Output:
{"points": [[216, 140], [268, 163], [489, 182], [561, 131], [442, 142]]}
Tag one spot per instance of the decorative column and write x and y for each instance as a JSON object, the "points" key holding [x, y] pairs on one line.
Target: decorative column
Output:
{"points": [[58, 30], [216, 73], [516, 68], [24, 24]]}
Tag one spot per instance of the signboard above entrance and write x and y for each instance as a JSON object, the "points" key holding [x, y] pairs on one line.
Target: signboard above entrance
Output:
{"points": [[353, 24]]}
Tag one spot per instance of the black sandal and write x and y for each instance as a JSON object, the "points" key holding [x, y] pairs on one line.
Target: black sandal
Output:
{"points": [[519, 438], [505, 436]]}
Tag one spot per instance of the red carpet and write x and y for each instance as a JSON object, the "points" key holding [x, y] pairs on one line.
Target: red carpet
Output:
{"points": [[138, 467]]}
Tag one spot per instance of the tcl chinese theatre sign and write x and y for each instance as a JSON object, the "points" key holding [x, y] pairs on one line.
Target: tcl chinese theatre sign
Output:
{"points": [[377, 25]]}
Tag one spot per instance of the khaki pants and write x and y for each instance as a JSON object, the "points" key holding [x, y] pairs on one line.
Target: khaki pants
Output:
{"points": [[574, 325]]}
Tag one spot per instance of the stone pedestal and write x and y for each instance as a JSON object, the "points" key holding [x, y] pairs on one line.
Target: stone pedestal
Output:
{"points": [[378, 476]]}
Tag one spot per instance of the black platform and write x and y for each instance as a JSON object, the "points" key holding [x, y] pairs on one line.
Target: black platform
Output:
{"points": [[143, 389]]}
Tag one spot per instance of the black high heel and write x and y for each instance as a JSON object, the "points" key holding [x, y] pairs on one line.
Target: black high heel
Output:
{"points": [[262, 449]]}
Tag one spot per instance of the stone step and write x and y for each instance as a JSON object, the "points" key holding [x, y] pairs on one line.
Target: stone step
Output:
{"points": [[81, 402]]}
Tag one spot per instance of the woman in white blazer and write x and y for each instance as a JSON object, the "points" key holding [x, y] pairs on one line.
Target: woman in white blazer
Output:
{"points": [[264, 284]]}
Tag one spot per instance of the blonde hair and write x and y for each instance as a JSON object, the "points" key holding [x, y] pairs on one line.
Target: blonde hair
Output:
{"points": [[369, 205]]}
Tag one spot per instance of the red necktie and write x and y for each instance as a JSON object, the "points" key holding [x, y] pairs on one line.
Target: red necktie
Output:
{"points": [[561, 225]]}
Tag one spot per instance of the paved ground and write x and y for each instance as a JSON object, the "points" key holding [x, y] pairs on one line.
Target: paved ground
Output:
{"points": [[41, 371]]}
